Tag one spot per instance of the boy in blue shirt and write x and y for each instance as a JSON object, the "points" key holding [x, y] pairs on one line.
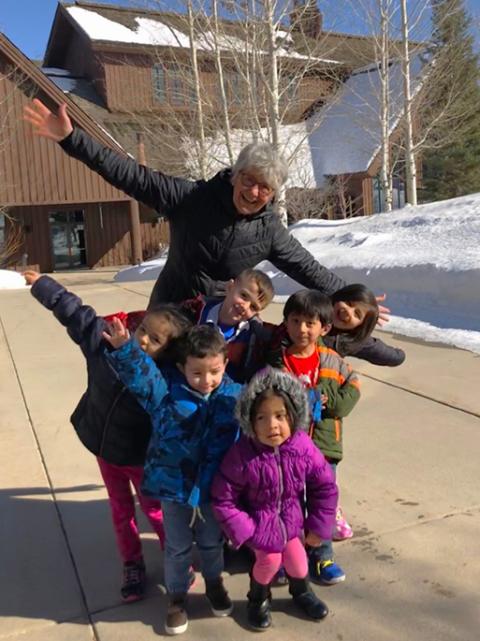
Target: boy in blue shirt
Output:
{"points": [[237, 317], [193, 425]]}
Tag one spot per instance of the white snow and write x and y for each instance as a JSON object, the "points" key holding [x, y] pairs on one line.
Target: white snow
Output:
{"points": [[154, 32], [341, 138], [11, 280], [426, 259], [347, 136]]}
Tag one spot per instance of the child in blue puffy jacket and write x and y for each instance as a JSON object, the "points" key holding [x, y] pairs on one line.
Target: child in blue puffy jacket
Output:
{"points": [[193, 425]]}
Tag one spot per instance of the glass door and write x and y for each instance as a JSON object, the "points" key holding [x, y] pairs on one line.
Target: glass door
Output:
{"points": [[67, 232]]}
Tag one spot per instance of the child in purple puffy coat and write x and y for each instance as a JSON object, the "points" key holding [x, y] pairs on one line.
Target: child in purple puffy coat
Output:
{"points": [[257, 493]]}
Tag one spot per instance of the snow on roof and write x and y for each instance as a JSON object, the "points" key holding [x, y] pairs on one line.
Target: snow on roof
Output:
{"points": [[346, 136], [154, 32]]}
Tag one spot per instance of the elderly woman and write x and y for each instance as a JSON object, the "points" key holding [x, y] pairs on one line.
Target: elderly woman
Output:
{"points": [[218, 227]]}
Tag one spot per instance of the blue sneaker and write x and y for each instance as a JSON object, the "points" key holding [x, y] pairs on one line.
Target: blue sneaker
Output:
{"points": [[327, 572]]}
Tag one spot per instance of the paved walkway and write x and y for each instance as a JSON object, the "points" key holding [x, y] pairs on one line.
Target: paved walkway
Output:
{"points": [[410, 487]]}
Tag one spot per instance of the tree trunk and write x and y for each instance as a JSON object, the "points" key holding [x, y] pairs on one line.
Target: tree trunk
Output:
{"points": [[385, 174], [410, 167]]}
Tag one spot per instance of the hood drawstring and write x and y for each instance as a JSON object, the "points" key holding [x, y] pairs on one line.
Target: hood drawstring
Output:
{"points": [[197, 512]]}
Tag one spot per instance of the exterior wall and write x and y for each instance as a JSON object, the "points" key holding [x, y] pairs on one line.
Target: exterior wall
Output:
{"points": [[129, 87], [35, 171], [367, 191], [107, 234]]}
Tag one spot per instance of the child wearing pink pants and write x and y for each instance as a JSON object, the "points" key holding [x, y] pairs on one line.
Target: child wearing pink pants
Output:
{"points": [[108, 419], [119, 480], [256, 493]]}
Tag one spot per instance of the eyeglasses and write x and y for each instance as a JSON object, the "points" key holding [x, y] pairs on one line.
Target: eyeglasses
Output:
{"points": [[249, 182]]}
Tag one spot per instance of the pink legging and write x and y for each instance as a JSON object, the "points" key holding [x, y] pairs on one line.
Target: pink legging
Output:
{"points": [[293, 558], [117, 479]]}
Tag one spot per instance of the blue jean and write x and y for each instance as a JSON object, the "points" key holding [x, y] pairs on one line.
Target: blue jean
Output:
{"points": [[179, 539]]}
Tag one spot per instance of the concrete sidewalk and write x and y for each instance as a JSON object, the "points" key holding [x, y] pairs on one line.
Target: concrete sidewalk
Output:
{"points": [[409, 482]]}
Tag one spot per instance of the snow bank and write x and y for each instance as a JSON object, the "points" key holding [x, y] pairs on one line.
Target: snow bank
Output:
{"points": [[426, 258], [11, 280]]}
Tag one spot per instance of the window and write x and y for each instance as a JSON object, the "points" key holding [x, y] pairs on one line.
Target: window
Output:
{"points": [[398, 195], [233, 88], [159, 83], [2, 230], [173, 84]]}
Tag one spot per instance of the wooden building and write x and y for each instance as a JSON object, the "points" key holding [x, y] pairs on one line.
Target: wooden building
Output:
{"points": [[117, 87], [68, 215]]}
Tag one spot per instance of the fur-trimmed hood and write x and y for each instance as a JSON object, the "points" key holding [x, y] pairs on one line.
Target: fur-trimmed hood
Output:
{"points": [[276, 379]]}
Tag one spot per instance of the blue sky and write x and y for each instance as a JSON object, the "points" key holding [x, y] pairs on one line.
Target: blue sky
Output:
{"points": [[27, 22]]}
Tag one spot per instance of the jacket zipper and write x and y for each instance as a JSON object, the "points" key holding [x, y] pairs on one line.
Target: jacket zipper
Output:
{"points": [[109, 416], [280, 494]]}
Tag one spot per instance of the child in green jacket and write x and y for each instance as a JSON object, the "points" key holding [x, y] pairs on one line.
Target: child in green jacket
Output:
{"points": [[334, 391]]}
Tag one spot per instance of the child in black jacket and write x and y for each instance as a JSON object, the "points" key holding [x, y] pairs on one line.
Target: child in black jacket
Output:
{"points": [[108, 419]]}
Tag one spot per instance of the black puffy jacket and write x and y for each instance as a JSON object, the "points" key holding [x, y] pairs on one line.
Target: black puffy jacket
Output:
{"points": [[372, 350], [108, 419], [209, 242]]}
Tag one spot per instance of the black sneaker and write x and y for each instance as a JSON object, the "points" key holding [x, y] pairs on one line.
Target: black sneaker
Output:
{"points": [[134, 578], [218, 597], [177, 619]]}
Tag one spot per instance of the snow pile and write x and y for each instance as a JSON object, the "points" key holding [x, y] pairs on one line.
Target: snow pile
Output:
{"points": [[426, 258], [11, 280]]}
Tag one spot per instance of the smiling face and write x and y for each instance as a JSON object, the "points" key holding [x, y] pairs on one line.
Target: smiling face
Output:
{"points": [[153, 334], [348, 316], [304, 331], [271, 422], [242, 301], [250, 192], [204, 374]]}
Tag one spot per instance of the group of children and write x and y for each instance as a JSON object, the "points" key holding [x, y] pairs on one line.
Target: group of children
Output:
{"points": [[225, 426]]}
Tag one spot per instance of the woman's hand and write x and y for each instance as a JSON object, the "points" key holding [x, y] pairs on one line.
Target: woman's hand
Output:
{"points": [[119, 334], [313, 540], [31, 276], [45, 123], [383, 312]]}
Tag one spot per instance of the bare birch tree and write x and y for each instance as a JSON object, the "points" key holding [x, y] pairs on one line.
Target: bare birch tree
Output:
{"points": [[269, 71], [11, 232]]}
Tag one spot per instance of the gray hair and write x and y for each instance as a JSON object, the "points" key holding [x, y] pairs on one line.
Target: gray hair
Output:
{"points": [[281, 384], [262, 158]]}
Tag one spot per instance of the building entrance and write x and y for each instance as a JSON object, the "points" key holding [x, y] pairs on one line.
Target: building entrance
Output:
{"points": [[67, 233]]}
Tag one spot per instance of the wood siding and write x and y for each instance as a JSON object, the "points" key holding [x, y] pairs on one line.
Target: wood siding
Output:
{"points": [[107, 235], [129, 89], [34, 170]]}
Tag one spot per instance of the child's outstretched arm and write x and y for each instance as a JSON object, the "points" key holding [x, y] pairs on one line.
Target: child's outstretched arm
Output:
{"points": [[322, 496], [83, 325], [377, 352], [136, 369], [227, 487]]}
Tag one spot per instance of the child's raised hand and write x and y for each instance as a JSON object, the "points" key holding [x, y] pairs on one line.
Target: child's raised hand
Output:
{"points": [[31, 276], [47, 124], [383, 312], [117, 334], [313, 540]]}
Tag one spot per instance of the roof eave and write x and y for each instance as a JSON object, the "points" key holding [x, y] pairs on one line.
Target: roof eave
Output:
{"points": [[24, 64]]}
